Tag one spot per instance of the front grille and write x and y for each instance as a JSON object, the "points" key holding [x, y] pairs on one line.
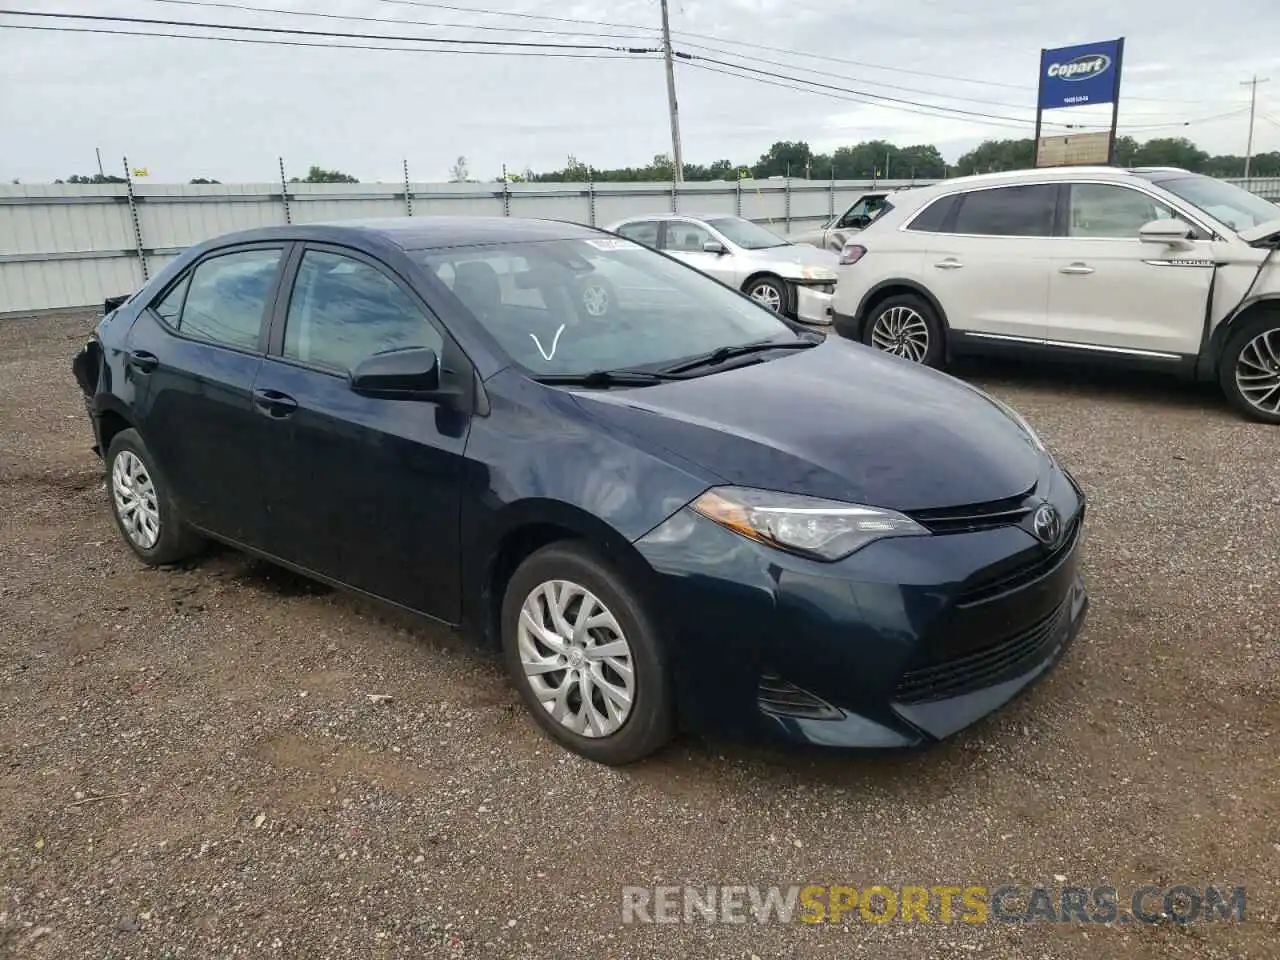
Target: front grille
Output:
{"points": [[976, 516], [984, 668], [783, 699], [1000, 580]]}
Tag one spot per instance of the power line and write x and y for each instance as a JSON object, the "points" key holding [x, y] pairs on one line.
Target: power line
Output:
{"points": [[531, 44], [399, 21], [325, 46]]}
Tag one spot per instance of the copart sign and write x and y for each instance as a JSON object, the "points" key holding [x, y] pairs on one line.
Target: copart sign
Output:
{"points": [[1075, 76]]}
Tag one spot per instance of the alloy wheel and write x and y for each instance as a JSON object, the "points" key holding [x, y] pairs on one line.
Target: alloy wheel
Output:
{"points": [[576, 658], [903, 332], [768, 295], [1258, 371], [134, 495], [595, 300]]}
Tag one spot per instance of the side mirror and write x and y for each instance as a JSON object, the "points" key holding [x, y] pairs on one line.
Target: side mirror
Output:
{"points": [[411, 374], [714, 246], [1170, 232]]}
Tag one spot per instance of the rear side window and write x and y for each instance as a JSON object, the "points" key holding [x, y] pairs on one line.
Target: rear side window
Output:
{"points": [[933, 218], [646, 232], [1023, 211], [227, 298]]}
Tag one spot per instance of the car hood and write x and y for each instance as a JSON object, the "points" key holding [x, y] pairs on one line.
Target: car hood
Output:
{"points": [[1263, 231], [790, 261], [838, 420]]}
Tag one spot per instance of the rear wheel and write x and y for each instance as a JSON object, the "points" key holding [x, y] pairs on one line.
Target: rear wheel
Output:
{"points": [[142, 504], [906, 326], [585, 657], [1249, 371]]}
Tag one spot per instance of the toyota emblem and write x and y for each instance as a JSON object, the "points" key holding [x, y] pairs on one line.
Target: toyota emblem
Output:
{"points": [[1047, 524]]}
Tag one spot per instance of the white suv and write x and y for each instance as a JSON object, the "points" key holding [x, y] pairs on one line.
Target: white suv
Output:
{"points": [[1158, 267]]}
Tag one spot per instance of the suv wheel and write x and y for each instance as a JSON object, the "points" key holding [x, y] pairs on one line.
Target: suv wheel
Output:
{"points": [[908, 327], [585, 657], [1249, 370], [142, 504]]}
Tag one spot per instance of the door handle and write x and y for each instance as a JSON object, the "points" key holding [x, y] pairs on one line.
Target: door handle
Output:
{"points": [[142, 361], [273, 403], [1076, 269], [951, 263]]}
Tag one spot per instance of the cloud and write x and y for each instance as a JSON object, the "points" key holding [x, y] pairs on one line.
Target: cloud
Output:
{"points": [[187, 108]]}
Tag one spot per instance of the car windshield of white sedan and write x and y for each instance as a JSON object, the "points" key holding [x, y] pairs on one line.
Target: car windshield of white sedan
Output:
{"points": [[747, 235], [571, 307], [1237, 208]]}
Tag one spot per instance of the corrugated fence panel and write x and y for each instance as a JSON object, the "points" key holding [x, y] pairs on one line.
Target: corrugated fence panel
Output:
{"points": [[69, 245]]}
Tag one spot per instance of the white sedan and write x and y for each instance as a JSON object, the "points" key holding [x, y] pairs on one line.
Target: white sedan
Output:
{"points": [[794, 279]]}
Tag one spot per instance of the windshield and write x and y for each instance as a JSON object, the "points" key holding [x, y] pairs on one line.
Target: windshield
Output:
{"points": [[747, 235], [565, 307], [1237, 208]]}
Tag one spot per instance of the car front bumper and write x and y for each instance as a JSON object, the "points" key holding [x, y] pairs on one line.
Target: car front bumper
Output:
{"points": [[812, 304], [903, 643]]}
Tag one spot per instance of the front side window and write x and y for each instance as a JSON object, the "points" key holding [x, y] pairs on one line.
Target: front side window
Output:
{"points": [[344, 310], [1108, 211], [747, 235], [644, 231], [227, 298], [654, 311], [1022, 211], [169, 307], [686, 237]]}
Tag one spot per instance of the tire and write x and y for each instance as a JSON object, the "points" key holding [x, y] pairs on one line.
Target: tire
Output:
{"points": [[906, 326], [597, 298], [153, 529], [1249, 368], [769, 292], [606, 732]]}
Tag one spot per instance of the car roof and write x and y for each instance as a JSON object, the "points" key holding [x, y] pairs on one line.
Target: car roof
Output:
{"points": [[422, 233], [1119, 174]]}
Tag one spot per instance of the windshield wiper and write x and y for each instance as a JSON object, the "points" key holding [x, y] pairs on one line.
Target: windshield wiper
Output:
{"points": [[723, 354], [607, 378]]}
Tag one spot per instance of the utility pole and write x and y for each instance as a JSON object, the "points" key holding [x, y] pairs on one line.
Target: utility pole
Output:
{"points": [[1253, 109], [98, 151], [677, 155]]}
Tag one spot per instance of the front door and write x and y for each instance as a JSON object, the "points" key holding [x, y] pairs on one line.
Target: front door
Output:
{"points": [[989, 269], [1110, 291], [195, 353], [364, 490]]}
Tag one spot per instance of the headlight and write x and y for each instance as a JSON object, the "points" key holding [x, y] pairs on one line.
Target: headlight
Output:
{"points": [[822, 529], [1017, 418], [817, 273]]}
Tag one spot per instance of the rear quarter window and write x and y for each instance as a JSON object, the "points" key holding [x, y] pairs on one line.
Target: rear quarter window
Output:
{"points": [[933, 218]]}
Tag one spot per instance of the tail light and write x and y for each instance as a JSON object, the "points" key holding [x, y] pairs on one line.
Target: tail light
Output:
{"points": [[851, 254]]}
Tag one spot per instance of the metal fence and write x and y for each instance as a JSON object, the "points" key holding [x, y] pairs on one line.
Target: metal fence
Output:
{"points": [[64, 246]]}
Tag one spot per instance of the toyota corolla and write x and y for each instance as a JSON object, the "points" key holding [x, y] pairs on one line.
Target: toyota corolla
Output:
{"points": [[687, 513]]}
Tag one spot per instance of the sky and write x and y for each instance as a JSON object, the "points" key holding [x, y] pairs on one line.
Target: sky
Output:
{"points": [[186, 108]]}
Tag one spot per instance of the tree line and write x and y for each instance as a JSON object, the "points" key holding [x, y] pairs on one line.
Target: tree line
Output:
{"points": [[872, 159]]}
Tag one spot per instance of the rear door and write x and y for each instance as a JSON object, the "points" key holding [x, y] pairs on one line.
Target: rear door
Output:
{"points": [[364, 490], [1110, 291], [988, 264], [195, 352]]}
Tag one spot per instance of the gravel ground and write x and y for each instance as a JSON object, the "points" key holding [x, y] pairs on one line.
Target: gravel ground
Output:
{"points": [[201, 762]]}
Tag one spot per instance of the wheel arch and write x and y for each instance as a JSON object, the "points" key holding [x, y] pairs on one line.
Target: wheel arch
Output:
{"points": [[527, 527], [788, 287], [1207, 367], [113, 417]]}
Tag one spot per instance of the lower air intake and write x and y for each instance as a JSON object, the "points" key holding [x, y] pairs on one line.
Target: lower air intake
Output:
{"points": [[783, 699]]}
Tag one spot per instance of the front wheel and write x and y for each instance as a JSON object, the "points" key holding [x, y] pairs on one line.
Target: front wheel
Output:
{"points": [[583, 653], [1249, 371], [908, 327], [768, 292]]}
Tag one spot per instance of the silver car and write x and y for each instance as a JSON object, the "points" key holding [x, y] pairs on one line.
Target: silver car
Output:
{"points": [[835, 233], [796, 280]]}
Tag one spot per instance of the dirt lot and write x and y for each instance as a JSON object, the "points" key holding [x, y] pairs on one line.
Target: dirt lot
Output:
{"points": [[193, 764]]}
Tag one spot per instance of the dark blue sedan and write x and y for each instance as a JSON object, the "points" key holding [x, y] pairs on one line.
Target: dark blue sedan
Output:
{"points": [[666, 505]]}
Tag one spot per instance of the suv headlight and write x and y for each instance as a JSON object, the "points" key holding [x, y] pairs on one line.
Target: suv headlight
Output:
{"points": [[810, 526]]}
